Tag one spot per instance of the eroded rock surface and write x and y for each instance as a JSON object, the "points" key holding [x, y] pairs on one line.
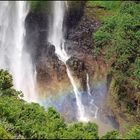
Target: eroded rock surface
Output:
{"points": [[51, 72]]}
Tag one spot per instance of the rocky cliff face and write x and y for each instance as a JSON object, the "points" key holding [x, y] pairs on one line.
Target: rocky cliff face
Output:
{"points": [[52, 78], [51, 72]]}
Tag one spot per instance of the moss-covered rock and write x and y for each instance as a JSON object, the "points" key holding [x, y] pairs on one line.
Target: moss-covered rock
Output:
{"points": [[39, 6]]}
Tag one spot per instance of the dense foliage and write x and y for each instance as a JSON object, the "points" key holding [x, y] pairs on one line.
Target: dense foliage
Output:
{"points": [[111, 135], [20, 119], [4, 134], [119, 37]]}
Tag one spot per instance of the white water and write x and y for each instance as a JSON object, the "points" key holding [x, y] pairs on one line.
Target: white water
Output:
{"points": [[88, 86], [56, 37], [56, 30], [92, 101], [12, 41], [81, 110]]}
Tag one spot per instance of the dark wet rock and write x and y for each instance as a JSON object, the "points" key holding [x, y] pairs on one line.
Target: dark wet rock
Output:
{"points": [[79, 45], [79, 70], [36, 27], [76, 65], [74, 13], [69, 108], [82, 35], [48, 51], [109, 79], [49, 67]]}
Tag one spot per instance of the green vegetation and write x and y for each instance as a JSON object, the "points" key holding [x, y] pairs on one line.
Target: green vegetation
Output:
{"points": [[4, 134], [104, 9], [119, 38], [134, 133], [39, 6], [80, 131], [108, 5], [20, 119], [111, 135]]}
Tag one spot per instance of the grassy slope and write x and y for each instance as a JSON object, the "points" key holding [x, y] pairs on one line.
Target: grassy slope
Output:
{"points": [[104, 9], [119, 36]]}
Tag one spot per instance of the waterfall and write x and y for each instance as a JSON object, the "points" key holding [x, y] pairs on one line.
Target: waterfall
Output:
{"points": [[13, 56], [88, 86], [56, 37], [81, 110], [91, 99]]}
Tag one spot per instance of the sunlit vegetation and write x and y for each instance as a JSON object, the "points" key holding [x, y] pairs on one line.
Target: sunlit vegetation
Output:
{"points": [[111, 135], [104, 9], [119, 37], [4, 134], [20, 119]]}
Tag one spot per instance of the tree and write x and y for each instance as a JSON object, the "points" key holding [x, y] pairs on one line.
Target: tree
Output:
{"points": [[137, 98], [111, 135], [4, 134], [81, 131], [6, 80], [134, 133]]}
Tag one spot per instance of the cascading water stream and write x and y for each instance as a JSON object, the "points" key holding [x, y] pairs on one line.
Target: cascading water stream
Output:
{"points": [[13, 56], [88, 87], [92, 100], [81, 110], [56, 38]]}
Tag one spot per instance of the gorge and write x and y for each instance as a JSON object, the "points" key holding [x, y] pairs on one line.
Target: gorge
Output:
{"points": [[79, 57], [68, 86]]}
